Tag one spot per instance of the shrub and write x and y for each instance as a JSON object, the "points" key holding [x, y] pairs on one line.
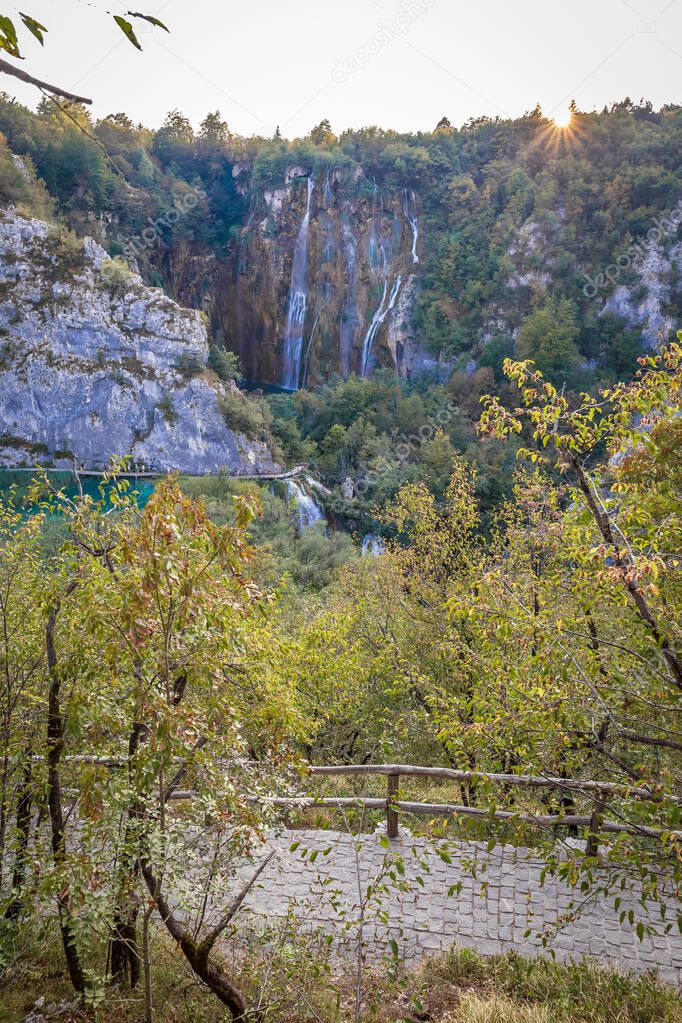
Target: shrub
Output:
{"points": [[224, 364], [116, 275], [167, 409], [190, 363], [246, 415]]}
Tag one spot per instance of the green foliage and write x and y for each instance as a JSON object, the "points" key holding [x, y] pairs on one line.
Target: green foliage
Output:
{"points": [[551, 646], [383, 433], [308, 560], [225, 364], [19, 185], [246, 414], [136, 622], [167, 409], [548, 337], [116, 275]]}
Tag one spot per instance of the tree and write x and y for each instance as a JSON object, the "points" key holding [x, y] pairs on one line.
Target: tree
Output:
{"points": [[214, 130], [322, 134], [177, 127], [121, 120], [548, 336], [602, 618], [145, 621]]}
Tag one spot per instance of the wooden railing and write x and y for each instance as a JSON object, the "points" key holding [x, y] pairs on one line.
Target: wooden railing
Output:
{"points": [[393, 805], [598, 792]]}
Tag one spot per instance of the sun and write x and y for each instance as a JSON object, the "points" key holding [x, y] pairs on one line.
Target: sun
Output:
{"points": [[563, 118]]}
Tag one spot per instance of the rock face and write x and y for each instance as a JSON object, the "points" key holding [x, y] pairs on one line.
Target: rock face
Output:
{"points": [[648, 306], [94, 364], [325, 280]]}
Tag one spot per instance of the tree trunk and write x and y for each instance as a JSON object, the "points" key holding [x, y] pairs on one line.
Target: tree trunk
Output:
{"points": [[603, 522], [123, 951], [23, 819], [55, 747], [124, 954], [198, 957]]}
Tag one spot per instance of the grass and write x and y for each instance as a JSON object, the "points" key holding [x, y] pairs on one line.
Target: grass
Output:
{"points": [[296, 981], [548, 991]]}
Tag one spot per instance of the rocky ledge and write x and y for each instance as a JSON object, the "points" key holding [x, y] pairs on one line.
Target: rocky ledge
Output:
{"points": [[94, 364]]}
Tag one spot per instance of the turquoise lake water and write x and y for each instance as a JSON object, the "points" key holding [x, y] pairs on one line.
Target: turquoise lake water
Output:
{"points": [[144, 488]]}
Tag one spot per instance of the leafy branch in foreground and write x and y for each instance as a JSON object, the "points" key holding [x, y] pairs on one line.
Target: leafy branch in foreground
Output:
{"points": [[9, 42], [637, 424]]}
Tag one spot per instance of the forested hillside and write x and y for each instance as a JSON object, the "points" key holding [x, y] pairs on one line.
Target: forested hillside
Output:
{"points": [[434, 538], [497, 239], [520, 218]]}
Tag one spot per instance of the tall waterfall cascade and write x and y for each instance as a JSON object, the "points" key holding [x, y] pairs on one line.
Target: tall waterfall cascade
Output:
{"points": [[298, 301], [377, 322], [410, 211], [324, 279]]}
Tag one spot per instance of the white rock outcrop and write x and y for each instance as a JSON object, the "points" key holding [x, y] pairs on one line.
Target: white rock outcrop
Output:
{"points": [[647, 310], [94, 364]]}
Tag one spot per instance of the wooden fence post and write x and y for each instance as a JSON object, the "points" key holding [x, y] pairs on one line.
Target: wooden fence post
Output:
{"points": [[391, 813], [596, 821]]}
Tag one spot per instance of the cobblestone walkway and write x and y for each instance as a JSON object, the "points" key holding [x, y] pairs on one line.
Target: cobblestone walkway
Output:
{"points": [[322, 889]]}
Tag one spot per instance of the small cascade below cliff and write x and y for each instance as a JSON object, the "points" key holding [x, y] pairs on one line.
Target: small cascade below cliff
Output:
{"points": [[298, 300], [372, 546], [410, 211], [308, 510]]}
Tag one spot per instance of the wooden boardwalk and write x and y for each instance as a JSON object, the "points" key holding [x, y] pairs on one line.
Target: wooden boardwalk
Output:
{"points": [[142, 475]]}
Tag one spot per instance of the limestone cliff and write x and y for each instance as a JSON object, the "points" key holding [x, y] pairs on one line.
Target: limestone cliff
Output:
{"points": [[94, 364], [324, 279]]}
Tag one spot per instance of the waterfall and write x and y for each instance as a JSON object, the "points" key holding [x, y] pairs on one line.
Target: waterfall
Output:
{"points": [[377, 321], [372, 546], [245, 347], [293, 339], [241, 263], [377, 248], [307, 509], [351, 321], [412, 219], [379, 264], [328, 190], [309, 347], [316, 485]]}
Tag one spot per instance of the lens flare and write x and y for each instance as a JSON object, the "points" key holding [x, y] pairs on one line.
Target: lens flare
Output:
{"points": [[563, 118]]}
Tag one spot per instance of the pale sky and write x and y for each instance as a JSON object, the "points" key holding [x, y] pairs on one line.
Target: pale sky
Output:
{"points": [[399, 64]]}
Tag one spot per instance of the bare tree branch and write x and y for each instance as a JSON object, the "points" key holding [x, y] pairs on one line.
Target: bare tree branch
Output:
{"points": [[9, 69], [209, 941]]}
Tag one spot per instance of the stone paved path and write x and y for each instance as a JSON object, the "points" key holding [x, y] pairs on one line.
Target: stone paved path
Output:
{"points": [[426, 919]]}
